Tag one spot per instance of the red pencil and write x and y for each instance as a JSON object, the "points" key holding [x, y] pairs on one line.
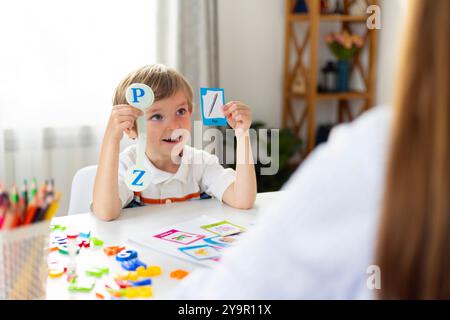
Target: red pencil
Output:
{"points": [[31, 210]]}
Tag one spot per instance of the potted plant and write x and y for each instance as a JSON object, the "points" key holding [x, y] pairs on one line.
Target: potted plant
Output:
{"points": [[344, 46]]}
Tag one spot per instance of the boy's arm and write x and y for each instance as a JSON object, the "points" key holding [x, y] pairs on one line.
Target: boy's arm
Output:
{"points": [[242, 193], [106, 200]]}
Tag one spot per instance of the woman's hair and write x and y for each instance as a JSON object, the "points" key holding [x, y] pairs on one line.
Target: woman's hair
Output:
{"points": [[164, 81], [414, 237]]}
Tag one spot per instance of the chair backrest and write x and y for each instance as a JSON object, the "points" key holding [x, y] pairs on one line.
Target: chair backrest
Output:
{"points": [[82, 188]]}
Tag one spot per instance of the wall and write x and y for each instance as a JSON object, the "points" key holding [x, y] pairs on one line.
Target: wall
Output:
{"points": [[251, 43]]}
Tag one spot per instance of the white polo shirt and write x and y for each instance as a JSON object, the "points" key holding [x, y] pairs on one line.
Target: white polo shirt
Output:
{"points": [[199, 172]]}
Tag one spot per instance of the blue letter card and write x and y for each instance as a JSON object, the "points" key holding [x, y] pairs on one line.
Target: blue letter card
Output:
{"points": [[212, 100]]}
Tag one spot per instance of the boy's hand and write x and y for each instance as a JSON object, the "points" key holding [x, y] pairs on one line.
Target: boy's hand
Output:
{"points": [[122, 118], [239, 116]]}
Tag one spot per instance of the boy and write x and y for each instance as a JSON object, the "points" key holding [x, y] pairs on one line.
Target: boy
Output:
{"points": [[170, 180]]}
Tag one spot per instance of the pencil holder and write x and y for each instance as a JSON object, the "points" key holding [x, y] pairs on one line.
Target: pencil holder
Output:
{"points": [[23, 262]]}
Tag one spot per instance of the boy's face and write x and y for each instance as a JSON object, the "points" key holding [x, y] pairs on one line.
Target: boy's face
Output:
{"points": [[164, 117]]}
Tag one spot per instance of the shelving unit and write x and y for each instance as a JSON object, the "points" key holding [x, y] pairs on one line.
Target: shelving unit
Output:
{"points": [[294, 51]]}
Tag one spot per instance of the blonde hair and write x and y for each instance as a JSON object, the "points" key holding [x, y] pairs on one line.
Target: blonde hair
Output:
{"points": [[164, 81]]}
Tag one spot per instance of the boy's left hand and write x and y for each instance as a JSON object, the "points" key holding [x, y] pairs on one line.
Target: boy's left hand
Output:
{"points": [[238, 114]]}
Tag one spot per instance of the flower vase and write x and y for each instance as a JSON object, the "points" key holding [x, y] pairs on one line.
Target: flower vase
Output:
{"points": [[343, 75]]}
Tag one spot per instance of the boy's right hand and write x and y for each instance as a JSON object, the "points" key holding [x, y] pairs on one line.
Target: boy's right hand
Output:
{"points": [[122, 118]]}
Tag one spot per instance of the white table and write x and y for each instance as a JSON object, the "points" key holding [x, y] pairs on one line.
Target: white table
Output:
{"points": [[137, 221]]}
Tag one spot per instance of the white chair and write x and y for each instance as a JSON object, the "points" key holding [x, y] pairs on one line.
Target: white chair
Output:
{"points": [[82, 188]]}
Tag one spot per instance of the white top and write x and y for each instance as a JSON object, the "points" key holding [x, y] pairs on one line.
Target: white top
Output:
{"points": [[318, 240], [199, 172]]}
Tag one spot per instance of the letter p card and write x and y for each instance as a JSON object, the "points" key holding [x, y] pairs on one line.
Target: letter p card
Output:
{"points": [[212, 100]]}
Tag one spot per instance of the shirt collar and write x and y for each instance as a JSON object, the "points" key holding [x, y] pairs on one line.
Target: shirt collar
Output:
{"points": [[158, 176]]}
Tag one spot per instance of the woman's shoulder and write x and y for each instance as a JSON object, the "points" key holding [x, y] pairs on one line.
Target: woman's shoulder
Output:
{"points": [[354, 151], [371, 126]]}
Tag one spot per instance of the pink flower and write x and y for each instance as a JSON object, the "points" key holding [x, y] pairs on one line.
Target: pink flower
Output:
{"points": [[340, 39]]}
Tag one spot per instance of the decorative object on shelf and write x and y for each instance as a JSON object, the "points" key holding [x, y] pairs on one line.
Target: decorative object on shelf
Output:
{"points": [[344, 46], [324, 6], [300, 7], [339, 7], [329, 77], [358, 8], [299, 83], [343, 76]]}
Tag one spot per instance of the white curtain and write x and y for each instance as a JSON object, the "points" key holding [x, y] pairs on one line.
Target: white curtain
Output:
{"points": [[60, 63]]}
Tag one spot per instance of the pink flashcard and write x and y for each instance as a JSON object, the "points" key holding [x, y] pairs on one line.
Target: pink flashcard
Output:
{"points": [[179, 236]]}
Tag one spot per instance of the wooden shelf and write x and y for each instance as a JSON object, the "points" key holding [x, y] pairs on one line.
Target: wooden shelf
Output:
{"points": [[327, 17], [301, 65], [342, 95], [352, 95]]}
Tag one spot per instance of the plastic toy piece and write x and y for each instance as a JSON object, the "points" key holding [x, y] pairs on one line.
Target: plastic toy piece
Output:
{"points": [[133, 276], [140, 283], [126, 255], [96, 272], [116, 293], [138, 292], [55, 227], [179, 274], [145, 292], [129, 265], [82, 286], [71, 277], [132, 265], [72, 235], [56, 269], [110, 284], [84, 243], [113, 250], [154, 271], [141, 271], [139, 263], [123, 275], [59, 240], [86, 235], [96, 241], [131, 293], [63, 249], [128, 275], [123, 283]]}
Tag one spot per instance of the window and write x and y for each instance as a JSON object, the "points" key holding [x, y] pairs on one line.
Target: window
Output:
{"points": [[61, 60]]}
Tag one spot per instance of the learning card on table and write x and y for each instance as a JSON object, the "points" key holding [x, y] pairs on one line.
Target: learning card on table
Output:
{"points": [[223, 228], [221, 241], [202, 252], [178, 236], [189, 241], [211, 101]]}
